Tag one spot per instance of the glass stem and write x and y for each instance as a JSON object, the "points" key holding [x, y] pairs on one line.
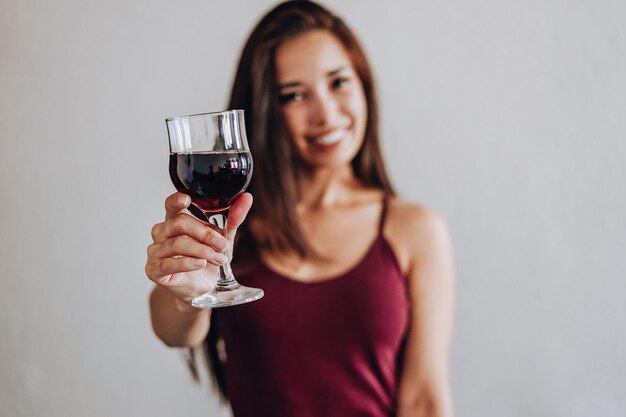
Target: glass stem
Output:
{"points": [[226, 280]]}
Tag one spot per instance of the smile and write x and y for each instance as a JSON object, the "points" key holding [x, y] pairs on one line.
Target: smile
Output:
{"points": [[330, 138]]}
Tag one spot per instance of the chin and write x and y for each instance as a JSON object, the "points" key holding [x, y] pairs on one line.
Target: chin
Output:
{"points": [[335, 161]]}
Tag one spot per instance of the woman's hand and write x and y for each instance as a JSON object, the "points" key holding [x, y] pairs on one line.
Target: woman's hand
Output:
{"points": [[186, 252]]}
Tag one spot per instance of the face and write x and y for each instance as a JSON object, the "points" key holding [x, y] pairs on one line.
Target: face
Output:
{"points": [[322, 99]]}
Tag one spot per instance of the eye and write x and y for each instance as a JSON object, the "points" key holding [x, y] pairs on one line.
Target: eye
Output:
{"points": [[340, 82], [289, 97]]}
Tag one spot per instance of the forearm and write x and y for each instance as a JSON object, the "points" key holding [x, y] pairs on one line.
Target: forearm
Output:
{"points": [[176, 324]]}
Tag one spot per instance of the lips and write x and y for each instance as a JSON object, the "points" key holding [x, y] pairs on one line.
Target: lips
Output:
{"points": [[330, 138]]}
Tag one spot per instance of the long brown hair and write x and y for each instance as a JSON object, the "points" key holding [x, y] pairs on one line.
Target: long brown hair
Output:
{"points": [[274, 181]]}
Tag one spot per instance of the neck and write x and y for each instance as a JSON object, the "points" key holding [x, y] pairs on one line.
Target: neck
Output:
{"points": [[327, 187]]}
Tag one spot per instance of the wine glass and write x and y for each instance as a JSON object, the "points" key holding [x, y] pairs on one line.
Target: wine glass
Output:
{"points": [[210, 161]]}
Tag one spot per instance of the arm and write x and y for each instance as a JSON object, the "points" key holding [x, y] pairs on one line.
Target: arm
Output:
{"points": [[177, 324], [424, 387]]}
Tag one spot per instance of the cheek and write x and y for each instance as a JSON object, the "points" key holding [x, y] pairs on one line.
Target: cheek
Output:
{"points": [[358, 108], [294, 121], [295, 126]]}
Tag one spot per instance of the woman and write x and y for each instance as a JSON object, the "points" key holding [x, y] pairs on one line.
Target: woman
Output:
{"points": [[357, 314]]}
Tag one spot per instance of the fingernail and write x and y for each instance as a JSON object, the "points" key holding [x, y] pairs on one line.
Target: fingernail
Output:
{"points": [[199, 262], [184, 200], [219, 257], [219, 243]]}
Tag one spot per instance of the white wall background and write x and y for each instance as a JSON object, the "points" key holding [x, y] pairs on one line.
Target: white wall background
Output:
{"points": [[509, 117]]}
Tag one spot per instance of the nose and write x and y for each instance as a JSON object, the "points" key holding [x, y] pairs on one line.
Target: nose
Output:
{"points": [[324, 109]]}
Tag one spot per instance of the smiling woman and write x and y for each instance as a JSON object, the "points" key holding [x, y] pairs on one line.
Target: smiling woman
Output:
{"points": [[323, 103], [357, 315]]}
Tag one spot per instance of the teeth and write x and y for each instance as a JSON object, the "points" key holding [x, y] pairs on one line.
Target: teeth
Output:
{"points": [[331, 138]]}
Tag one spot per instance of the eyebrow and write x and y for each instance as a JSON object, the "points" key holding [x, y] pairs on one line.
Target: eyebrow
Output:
{"points": [[298, 83]]}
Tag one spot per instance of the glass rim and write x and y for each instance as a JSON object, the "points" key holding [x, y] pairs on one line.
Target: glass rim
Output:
{"points": [[192, 116]]}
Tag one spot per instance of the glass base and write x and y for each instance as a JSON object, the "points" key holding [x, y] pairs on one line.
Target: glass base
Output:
{"points": [[224, 298]]}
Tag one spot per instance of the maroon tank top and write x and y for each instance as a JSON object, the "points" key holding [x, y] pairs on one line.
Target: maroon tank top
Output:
{"points": [[325, 349]]}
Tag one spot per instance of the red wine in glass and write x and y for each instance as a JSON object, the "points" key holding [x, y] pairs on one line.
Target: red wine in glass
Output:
{"points": [[210, 161], [213, 179]]}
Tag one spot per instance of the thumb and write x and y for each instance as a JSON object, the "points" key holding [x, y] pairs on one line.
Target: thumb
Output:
{"points": [[237, 215]]}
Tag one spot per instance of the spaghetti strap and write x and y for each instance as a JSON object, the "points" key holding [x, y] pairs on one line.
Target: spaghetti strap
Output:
{"points": [[383, 214]]}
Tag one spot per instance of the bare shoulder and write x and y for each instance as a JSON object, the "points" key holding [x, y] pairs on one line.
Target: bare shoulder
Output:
{"points": [[414, 231], [410, 218]]}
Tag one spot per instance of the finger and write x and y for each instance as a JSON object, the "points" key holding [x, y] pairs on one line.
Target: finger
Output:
{"points": [[237, 214], [187, 225], [183, 246], [160, 271], [175, 204]]}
